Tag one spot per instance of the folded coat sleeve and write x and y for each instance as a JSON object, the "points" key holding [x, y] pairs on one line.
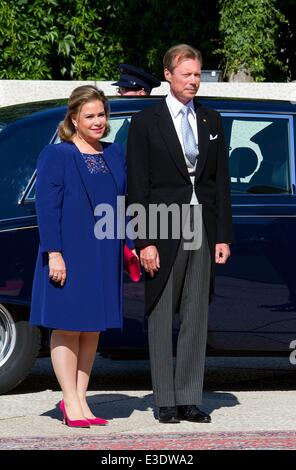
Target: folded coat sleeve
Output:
{"points": [[49, 197]]}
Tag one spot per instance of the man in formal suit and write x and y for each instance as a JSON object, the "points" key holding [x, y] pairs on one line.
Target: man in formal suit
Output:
{"points": [[177, 155]]}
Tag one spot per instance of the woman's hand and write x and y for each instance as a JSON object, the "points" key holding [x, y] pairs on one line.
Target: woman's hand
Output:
{"points": [[57, 267]]}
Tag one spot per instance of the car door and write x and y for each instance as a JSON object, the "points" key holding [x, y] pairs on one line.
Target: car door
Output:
{"points": [[255, 303], [134, 334], [20, 143]]}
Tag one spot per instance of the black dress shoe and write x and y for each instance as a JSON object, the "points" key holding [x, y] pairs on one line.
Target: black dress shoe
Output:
{"points": [[192, 413], [168, 414]]}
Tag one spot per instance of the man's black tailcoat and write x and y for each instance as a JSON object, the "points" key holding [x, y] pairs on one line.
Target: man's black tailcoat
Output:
{"points": [[157, 173]]}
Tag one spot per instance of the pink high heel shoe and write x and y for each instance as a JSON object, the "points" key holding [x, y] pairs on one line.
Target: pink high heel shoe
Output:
{"points": [[97, 421], [77, 423]]}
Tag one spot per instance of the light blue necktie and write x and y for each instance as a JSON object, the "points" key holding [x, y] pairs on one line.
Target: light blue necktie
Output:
{"points": [[189, 143]]}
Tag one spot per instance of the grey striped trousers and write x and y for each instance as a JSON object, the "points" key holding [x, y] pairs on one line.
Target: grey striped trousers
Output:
{"points": [[186, 292]]}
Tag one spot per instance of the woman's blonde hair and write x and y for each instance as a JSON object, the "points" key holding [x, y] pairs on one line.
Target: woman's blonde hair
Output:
{"points": [[79, 96]]}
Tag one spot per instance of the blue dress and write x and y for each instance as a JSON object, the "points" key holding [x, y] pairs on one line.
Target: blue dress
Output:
{"points": [[102, 186], [69, 187]]}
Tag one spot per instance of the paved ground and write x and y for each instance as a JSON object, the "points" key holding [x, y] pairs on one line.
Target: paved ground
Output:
{"points": [[251, 401]]}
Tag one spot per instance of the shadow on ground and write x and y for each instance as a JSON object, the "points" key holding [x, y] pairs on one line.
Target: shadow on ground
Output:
{"points": [[119, 405]]}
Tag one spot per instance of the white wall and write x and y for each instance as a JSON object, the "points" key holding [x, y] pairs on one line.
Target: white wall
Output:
{"points": [[20, 91]]}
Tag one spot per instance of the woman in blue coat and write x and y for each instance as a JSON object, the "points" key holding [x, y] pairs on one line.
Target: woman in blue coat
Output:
{"points": [[78, 283]]}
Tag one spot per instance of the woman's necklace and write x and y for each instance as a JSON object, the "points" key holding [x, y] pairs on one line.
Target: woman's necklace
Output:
{"points": [[84, 147]]}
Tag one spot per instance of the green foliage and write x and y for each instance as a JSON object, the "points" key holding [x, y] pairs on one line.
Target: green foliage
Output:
{"points": [[87, 39], [44, 39], [23, 48], [250, 31], [153, 26]]}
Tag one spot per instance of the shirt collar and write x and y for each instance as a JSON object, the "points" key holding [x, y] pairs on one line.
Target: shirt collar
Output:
{"points": [[176, 105]]}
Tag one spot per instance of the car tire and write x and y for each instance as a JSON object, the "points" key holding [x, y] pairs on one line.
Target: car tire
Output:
{"points": [[19, 346]]}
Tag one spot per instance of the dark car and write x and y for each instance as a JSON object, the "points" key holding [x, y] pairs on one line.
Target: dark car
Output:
{"points": [[254, 309]]}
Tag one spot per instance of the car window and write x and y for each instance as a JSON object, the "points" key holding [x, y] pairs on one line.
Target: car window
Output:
{"points": [[20, 145], [258, 148], [118, 130], [259, 153]]}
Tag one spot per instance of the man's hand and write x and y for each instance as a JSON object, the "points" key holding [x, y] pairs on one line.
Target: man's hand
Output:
{"points": [[222, 253], [57, 267], [149, 258]]}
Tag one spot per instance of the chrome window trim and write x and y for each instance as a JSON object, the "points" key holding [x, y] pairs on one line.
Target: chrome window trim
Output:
{"points": [[291, 142], [233, 215], [292, 153], [257, 216], [24, 198], [15, 229], [263, 205], [261, 195], [266, 216], [262, 115], [18, 218]]}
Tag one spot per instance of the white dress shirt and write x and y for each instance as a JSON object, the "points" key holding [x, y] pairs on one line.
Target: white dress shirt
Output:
{"points": [[175, 107]]}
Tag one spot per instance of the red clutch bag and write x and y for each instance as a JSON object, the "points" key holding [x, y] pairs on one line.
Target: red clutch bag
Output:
{"points": [[131, 264]]}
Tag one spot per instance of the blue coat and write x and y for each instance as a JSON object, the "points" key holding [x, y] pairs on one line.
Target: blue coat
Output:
{"points": [[91, 299]]}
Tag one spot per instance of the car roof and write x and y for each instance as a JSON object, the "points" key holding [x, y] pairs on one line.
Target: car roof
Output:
{"points": [[126, 105], [219, 103], [13, 112], [250, 104]]}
